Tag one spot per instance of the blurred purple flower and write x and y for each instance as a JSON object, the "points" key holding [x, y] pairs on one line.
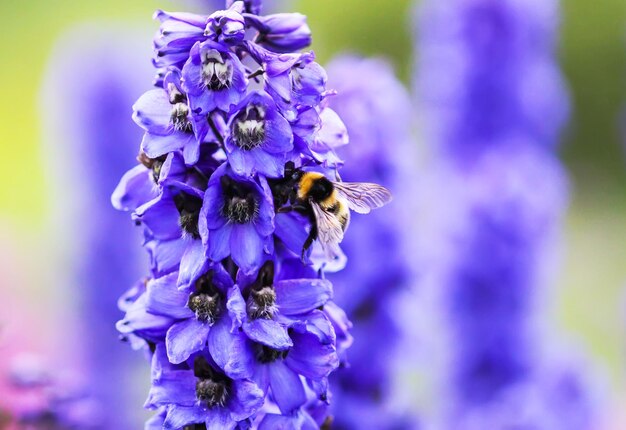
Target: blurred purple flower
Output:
{"points": [[491, 86], [488, 73], [96, 73], [380, 135], [43, 400]]}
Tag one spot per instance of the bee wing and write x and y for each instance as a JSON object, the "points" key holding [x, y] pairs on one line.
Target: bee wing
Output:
{"points": [[329, 231], [363, 196]]}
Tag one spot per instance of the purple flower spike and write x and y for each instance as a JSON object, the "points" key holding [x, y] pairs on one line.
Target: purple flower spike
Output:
{"points": [[237, 178], [239, 218], [282, 32], [380, 270], [259, 137], [501, 192], [214, 78]]}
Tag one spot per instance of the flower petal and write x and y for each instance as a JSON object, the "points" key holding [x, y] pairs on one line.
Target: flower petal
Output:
{"points": [[230, 351], [152, 112], [164, 298], [298, 421], [286, 387], [240, 161], [134, 189], [236, 306], [264, 222], [177, 386], [298, 296], [165, 255], [290, 229], [219, 241], [184, 338], [219, 418], [317, 323], [310, 357], [278, 135], [192, 264], [181, 416], [213, 202], [155, 145], [269, 165], [191, 150], [160, 216], [268, 332], [246, 247], [247, 399]]}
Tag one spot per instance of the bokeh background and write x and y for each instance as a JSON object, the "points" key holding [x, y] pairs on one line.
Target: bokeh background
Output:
{"points": [[590, 300]]}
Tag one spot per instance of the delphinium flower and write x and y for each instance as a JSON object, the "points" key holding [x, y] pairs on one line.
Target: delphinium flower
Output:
{"points": [[96, 73], [40, 399], [491, 88], [238, 196], [379, 136]]}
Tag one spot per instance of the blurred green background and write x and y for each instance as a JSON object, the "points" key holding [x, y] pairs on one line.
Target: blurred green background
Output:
{"points": [[590, 299]]}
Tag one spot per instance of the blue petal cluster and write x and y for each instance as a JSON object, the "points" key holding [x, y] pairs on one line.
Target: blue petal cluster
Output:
{"points": [[236, 314], [490, 83]]}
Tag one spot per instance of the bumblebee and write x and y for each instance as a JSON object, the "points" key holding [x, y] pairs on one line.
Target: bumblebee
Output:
{"points": [[326, 203]]}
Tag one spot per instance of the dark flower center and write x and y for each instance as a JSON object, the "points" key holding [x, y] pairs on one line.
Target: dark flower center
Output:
{"points": [[189, 209], [248, 129], [327, 424], [205, 306], [240, 203], [212, 388], [264, 354], [154, 164], [261, 302], [174, 94], [178, 117], [156, 170], [217, 74], [210, 392], [206, 301]]}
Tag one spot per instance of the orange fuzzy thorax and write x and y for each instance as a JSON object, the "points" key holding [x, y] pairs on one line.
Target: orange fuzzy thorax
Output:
{"points": [[306, 183]]}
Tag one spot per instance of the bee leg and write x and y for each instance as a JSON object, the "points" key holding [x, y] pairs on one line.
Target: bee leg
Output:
{"points": [[298, 208], [309, 240]]}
